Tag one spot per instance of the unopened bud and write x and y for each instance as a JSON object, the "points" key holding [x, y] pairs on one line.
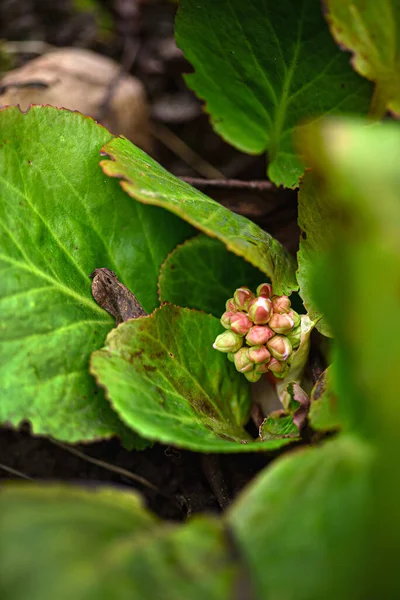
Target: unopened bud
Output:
{"points": [[295, 317], [240, 323], [242, 297], [243, 363], [295, 337], [278, 368], [263, 368], [259, 354], [228, 342], [260, 310], [259, 334], [226, 318], [281, 323], [280, 347], [253, 376], [280, 304], [231, 356], [230, 305], [264, 289]]}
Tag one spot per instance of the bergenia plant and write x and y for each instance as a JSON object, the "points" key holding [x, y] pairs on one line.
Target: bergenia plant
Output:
{"points": [[201, 336]]}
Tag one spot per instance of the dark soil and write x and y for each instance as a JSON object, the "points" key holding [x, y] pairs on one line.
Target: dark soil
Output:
{"points": [[187, 482]]}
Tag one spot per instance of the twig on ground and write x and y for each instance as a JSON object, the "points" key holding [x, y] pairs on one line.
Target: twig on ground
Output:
{"points": [[231, 184], [182, 150], [15, 472]]}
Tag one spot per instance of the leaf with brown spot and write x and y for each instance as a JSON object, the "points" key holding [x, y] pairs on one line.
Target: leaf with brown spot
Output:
{"points": [[166, 382]]}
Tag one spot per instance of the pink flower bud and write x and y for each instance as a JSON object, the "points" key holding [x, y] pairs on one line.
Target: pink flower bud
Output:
{"points": [[240, 323], [281, 323], [280, 347], [260, 310], [242, 297], [230, 305], [264, 289], [253, 376], [278, 368], [259, 334], [228, 342], [280, 304], [259, 354], [263, 368], [242, 362], [226, 318]]}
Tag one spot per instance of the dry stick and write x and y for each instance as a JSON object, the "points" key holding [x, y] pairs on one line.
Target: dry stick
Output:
{"points": [[15, 472], [231, 184], [215, 478], [183, 151]]}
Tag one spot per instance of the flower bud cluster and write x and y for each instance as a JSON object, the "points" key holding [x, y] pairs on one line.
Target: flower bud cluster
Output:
{"points": [[262, 331]]}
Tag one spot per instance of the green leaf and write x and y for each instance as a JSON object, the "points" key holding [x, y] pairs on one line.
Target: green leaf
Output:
{"points": [[357, 285], [262, 68], [60, 542], [278, 425], [60, 218], [371, 31], [316, 222], [202, 274], [145, 180], [167, 382], [360, 274], [324, 414], [303, 524]]}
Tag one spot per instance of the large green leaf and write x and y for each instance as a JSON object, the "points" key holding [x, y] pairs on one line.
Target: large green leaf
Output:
{"points": [[316, 224], [303, 524], [264, 66], [145, 180], [371, 30], [357, 284], [60, 542], [203, 274], [60, 218], [167, 382]]}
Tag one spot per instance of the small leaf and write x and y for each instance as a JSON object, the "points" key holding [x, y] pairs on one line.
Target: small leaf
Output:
{"points": [[317, 230], [145, 180], [60, 218], [202, 274], [371, 30], [60, 542], [324, 415], [167, 382], [262, 68], [303, 524], [278, 425]]}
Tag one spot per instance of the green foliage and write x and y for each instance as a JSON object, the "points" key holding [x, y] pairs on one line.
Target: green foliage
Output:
{"points": [[317, 229], [203, 274], [319, 522], [303, 523], [262, 68], [324, 414], [371, 31], [60, 218], [166, 381], [145, 180], [358, 167], [103, 544]]}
